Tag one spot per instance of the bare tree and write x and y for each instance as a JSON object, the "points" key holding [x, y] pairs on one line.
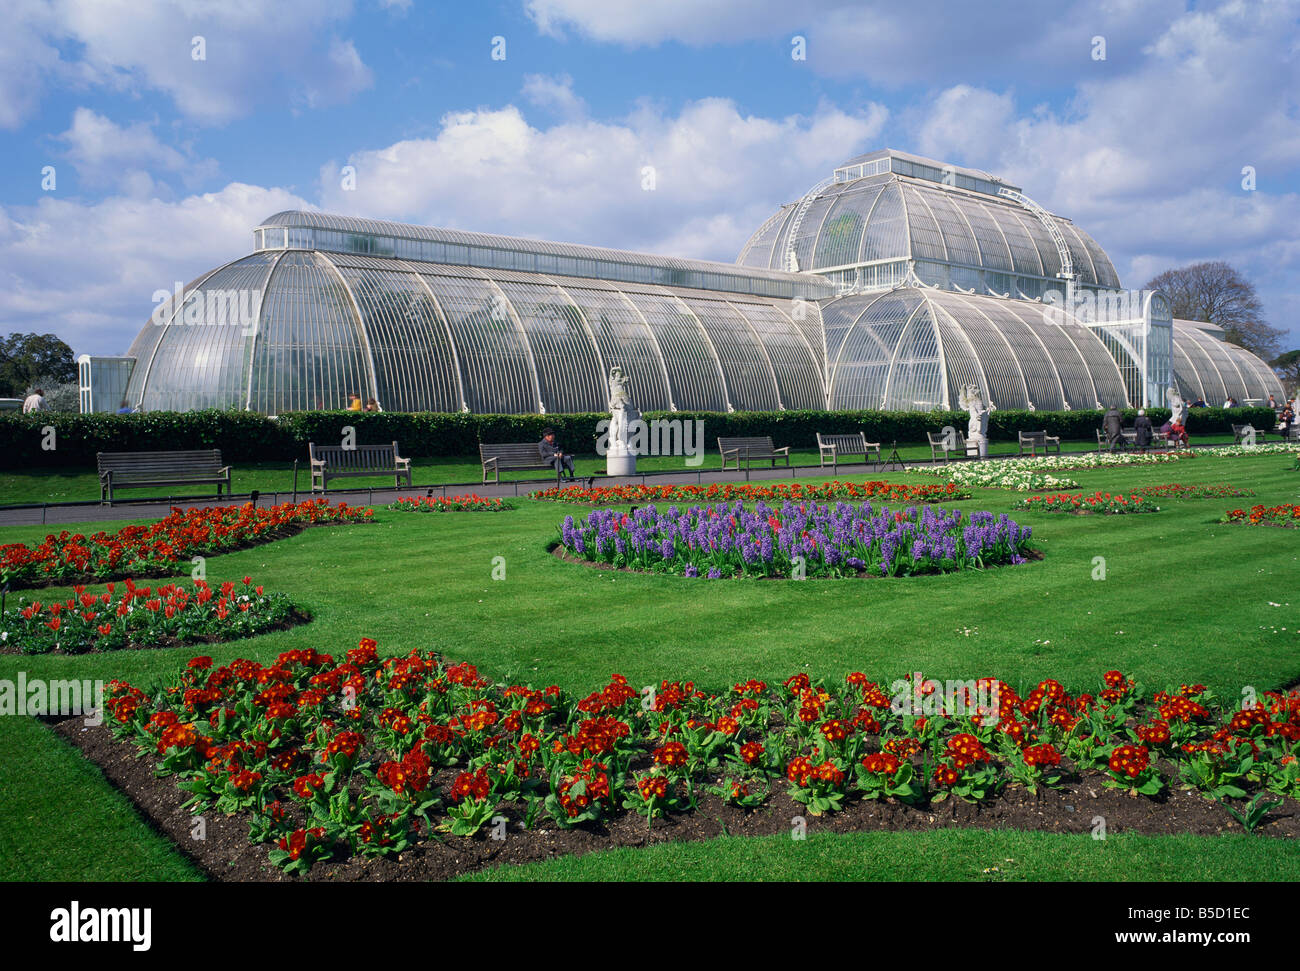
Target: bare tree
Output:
{"points": [[1287, 365], [1217, 293]]}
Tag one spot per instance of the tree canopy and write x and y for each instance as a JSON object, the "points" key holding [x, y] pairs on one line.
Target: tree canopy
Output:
{"points": [[26, 357], [1216, 293]]}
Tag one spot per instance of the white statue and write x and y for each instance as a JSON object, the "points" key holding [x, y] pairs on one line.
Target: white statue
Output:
{"points": [[977, 430], [1177, 407], [622, 414]]}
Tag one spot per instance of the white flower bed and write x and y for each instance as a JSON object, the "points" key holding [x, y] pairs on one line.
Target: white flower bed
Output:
{"points": [[1030, 474]]}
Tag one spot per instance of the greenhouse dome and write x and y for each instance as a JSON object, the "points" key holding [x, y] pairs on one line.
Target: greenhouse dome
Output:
{"points": [[890, 284]]}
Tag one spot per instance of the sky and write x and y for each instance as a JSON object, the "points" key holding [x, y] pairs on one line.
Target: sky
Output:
{"points": [[143, 140]]}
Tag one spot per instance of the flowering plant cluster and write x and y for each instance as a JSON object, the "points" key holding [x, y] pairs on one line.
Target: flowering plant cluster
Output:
{"points": [[331, 757], [1263, 448], [1099, 503], [1031, 474], [1287, 514], [795, 539], [140, 617], [745, 492], [1177, 491], [157, 548], [466, 503]]}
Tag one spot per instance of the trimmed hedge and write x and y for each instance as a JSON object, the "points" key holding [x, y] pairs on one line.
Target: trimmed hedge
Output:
{"points": [[245, 436]]}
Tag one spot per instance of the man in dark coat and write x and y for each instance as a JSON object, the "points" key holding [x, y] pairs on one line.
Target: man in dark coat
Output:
{"points": [[1112, 425], [552, 453], [1142, 430]]}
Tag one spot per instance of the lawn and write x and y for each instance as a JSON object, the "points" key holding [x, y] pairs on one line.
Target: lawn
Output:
{"points": [[1184, 599]]}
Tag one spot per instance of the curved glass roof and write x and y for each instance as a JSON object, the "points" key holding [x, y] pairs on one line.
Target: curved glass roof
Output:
{"points": [[1212, 370], [913, 348], [884, 217], [294, 229], [429, 337]]}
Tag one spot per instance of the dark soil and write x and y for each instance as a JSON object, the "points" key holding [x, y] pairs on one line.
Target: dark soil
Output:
{"points": [[226, 854], [298, 617]]}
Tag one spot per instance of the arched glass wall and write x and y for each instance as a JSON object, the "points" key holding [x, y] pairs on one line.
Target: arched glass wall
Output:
{"points": [[1212, 370], [914, 348], [433, 337], [956, 238]]}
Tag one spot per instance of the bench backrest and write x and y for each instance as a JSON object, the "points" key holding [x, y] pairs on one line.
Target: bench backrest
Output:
{"points": [[148, 465], [938, 440], [844, 443], [757, 444], [512, 454], [361, 457]]}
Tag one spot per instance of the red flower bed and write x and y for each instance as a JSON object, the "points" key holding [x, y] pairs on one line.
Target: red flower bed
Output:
{"points": [[466, 503], [1287, 514], [144, 617], [331, 757], [744, 492], [1099, 503], [159, 548]]}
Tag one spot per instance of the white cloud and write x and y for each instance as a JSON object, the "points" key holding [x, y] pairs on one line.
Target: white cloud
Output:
{"points": [[554, 94], [88, 272], [105, 153], [887, 42], [285, 52], [717, 174]]}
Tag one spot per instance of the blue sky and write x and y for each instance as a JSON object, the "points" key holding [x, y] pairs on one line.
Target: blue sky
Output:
{"points": [[164, 163]]}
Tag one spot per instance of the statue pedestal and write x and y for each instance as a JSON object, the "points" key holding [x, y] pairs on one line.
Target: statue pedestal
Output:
{"points": [[620, 463], [979, 443]]}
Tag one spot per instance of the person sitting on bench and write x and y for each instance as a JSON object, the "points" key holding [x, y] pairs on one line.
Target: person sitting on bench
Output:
{"points": [[550, 452]]}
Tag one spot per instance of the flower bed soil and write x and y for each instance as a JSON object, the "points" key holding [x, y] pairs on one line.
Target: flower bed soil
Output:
{"points": [[226, 854]]}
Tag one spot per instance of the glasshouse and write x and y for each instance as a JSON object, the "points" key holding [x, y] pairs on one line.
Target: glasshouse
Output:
{"points": [[891, 284]]}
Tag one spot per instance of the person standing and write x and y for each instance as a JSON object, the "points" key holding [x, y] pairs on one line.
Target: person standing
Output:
{"points": [[354, 402], [1113, 426], [34, 401]]}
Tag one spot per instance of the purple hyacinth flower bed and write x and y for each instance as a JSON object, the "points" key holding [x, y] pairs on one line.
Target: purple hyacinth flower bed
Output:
{"points": [[796, 539]]}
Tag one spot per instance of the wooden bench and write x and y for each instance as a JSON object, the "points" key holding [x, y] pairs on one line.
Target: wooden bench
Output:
{"points": [[1239, 433], [750, 449], [140, 470], [958, 449], [1035, 441], [336, 462], [835, 446], [513, 455], [1127, 438]]}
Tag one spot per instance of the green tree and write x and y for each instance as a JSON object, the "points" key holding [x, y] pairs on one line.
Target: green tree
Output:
{"points": [[1287, 365], [1216, 293], [26, 357]]}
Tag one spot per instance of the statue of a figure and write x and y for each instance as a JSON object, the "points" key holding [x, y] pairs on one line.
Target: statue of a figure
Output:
{"points": [[977, 430], [621, 411], [1177, 407]]}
